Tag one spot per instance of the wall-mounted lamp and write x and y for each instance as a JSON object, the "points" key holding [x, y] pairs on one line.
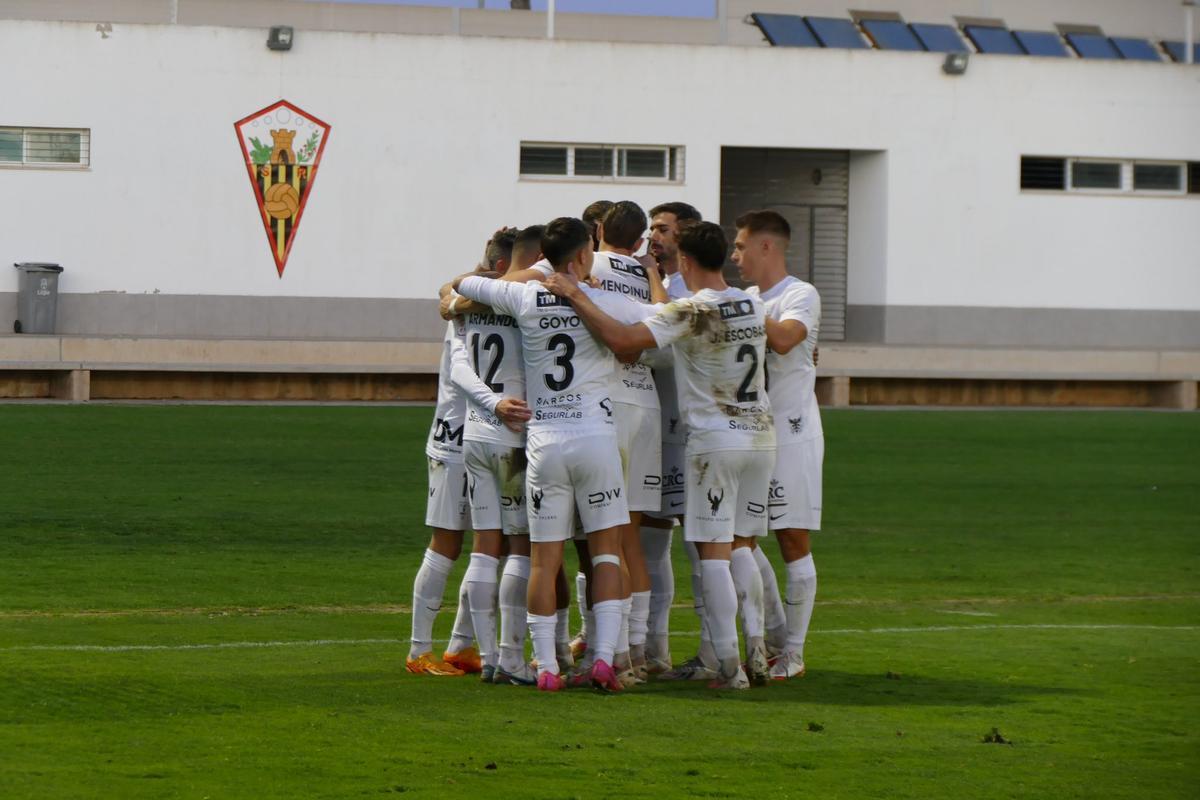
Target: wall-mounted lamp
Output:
{"points": [[955, 63], [280, 38]]}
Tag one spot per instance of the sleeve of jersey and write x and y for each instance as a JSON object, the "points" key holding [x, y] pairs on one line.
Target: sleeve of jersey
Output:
{"points": [[462, 376], [669, 323], [503, 296], [802, 305]]}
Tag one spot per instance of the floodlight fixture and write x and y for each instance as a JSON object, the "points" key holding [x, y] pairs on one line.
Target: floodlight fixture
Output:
{"points": [[280, 38], [955, 63]]}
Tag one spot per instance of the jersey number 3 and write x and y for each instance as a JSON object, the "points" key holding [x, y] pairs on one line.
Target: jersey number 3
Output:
{"points": [[562, 361]]}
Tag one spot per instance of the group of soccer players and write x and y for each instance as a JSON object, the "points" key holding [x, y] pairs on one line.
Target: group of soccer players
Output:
{"points": [[586, 393]]}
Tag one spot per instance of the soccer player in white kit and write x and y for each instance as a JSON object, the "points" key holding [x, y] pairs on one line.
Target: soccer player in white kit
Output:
{"points": [[657, 528], [487, 366], [574, 463], [615, 270], [793, 319], [448, 514], [719, 340]]}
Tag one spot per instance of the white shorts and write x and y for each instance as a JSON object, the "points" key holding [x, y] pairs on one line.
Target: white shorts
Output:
{"points": [[639, 438], [727, 494], [447, 506], [496, 487], [567, 474], [795, 499], [673, 482]]}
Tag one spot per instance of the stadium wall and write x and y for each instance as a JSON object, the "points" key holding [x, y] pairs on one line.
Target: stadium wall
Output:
{"points": [[161, 236]]}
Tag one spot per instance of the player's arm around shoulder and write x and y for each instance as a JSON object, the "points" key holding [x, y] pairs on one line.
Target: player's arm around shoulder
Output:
{"points": [[622, 338]]}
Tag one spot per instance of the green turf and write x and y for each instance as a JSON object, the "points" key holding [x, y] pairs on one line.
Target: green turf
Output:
{"points": [[945, 533]]}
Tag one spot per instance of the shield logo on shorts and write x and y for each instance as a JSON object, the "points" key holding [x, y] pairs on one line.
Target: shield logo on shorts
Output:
{"points": [[282, 147]]}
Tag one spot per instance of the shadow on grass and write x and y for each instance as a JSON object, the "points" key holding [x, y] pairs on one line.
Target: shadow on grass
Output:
{"points": [[831, 687]]}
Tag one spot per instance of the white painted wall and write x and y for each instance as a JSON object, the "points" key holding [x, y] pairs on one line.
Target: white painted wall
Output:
{"points": [[422, 160]]}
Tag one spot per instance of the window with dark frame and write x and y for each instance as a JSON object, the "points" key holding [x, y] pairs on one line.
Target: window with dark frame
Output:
{"points": [[1096, 175], [45, 147], [635, 163]]}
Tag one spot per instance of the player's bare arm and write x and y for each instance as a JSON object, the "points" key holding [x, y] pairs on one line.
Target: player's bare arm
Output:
{"points": [[785, 335], [658, 290], [624, 340]]}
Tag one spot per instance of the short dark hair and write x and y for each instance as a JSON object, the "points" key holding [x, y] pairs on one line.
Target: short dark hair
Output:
{"points": [[528, 238], [765, 221], [593, 214], [562, 238], [500, 246], [682, 211], [704, 242], [624, 224]]}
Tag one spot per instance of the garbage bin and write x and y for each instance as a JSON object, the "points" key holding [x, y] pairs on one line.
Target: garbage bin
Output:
{"points": [[37, 298]]}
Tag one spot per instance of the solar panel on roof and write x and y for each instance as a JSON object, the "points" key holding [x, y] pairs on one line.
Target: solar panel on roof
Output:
{"points": [[785, 30], [891, 34], [1041, 43], [992, 40], [938, 38], [1176, 51], [1135, 49], [1092, 45], [836, 32]]}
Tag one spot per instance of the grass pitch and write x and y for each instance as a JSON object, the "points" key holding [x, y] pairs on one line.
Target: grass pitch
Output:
{"points": [[210, 602]]}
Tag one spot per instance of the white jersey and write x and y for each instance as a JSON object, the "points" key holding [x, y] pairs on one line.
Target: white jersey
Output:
{"points": [[567, 372], [625, 276], [674, 431], [719, 341], [487, 368], [792, 379], [446, 434], [543, 266]]}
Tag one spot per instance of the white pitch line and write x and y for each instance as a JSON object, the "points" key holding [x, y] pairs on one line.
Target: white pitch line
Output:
{"points": [[132, 648]]}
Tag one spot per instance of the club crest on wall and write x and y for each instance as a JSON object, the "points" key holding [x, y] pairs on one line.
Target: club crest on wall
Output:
{"points": [[282, 147]]}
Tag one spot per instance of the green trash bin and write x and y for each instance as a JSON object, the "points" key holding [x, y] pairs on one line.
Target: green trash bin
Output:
{"points": [[37, 297]]}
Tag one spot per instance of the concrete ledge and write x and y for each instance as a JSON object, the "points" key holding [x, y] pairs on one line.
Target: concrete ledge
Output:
{"points": [[80, 367]]}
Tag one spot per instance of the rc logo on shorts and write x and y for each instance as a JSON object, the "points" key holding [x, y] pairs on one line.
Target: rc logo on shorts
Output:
{"points": [[715, 500], [777, 499], [282, 173]]}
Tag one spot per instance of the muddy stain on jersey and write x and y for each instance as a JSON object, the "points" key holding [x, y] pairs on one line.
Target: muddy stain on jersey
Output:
{"points": [[701, 468]]}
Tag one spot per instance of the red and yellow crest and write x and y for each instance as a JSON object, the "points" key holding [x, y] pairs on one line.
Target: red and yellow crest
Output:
{"points": [[282, 170]]}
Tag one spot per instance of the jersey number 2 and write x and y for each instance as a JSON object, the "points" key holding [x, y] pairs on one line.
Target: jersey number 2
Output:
{"points": [[744, 394], [562, 361]]}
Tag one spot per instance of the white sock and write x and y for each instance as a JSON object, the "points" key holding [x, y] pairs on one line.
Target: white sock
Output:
{"points": [[463, 632], [608, 628], [562, 630], [514, 590], [541, 630], [801, 593], [656, 544], [748, 582], [581, 598], [774, 620], [639, 614], [481, 590], [428, 589], [697, 588], [721, 606], [623, 631]]}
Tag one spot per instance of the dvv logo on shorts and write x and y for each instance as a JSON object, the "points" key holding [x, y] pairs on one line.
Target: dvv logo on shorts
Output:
{"points": [[605, 497]]}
